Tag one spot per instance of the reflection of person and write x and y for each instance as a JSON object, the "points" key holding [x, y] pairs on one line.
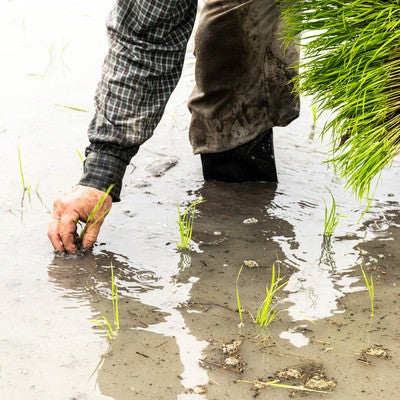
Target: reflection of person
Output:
{"points": [[242, 91]]}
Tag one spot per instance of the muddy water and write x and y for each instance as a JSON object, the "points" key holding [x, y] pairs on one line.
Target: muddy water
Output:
{"points": [[177, 311]]}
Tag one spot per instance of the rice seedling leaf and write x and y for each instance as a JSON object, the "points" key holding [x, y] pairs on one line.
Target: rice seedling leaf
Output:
{"points": [[185, 223], [238, 301], [370, 285], [266, 313]]}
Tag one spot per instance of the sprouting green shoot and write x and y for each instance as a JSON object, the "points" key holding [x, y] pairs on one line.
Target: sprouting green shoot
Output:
{"points": [[80, 156], [25, 189], [72, 108], [56, 53], [103, 321], [114, 299], [21, 171], [239, 303], [185, 223], [94, 212], [314, 114], [266, 313], [369, 283], [331, 219]]}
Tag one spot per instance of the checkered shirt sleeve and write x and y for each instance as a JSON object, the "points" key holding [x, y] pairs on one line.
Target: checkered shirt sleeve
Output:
{"points": [[147, 44]]}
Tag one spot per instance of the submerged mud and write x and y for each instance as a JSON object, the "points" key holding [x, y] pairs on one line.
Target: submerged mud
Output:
{"points": [[179, 336]]}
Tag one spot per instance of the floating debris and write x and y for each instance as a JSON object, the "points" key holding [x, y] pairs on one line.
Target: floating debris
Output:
{"points": [[232, 361], [248, 221], [289, 373], [377, 350], [231, 347], [197, 390], [310, 377], [250, 264], [320, 382]]}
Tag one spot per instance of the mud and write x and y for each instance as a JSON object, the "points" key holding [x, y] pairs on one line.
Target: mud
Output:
{"points": [[178, 311]]}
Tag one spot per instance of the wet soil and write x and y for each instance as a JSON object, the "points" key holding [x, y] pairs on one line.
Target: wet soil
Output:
{"points": [[179, 336]]}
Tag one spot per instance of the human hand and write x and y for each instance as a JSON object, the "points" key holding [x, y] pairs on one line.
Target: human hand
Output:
{"points": [[73, 207]]}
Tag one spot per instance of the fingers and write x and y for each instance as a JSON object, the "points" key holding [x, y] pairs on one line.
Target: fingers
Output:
{"points": [[62, 231], [53, 233], [67, 230], [91, 234]]}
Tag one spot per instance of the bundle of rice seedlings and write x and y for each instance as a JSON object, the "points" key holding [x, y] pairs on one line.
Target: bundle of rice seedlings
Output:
{"points": [[351, 68]]}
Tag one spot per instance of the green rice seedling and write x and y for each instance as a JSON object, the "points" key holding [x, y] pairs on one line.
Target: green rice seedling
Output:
{"points": [[266, 313], [331, 219], [25, 189], [114, 299], [239, 303], [40, 198], [73, 108], [102, 321], [350, 67], [314, 115], [21, 171], [80, 156], [93, 214], [185, 223], [369, 283], [56, 56]]}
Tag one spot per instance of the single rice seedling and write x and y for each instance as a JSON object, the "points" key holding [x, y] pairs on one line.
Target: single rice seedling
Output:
{"points": [[314, 115], [114, 299], [369, 283], [93, 218], [56, 53], [239, 303], [266, 313], [185, 223], [103, 321], [25, 189], [21, 172], [80, 156], [331, 219]]}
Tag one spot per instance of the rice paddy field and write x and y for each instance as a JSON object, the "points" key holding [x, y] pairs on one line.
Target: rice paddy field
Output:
{"points": [[179, 335]]}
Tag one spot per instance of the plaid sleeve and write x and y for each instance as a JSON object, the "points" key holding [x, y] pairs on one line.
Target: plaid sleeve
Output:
{"points": [[147, 45]]}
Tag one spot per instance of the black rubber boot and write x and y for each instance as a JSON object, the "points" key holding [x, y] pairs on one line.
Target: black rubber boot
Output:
{"points": [[252, 161]]}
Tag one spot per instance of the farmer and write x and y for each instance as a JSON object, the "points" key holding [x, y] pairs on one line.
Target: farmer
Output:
{"points": [[242, 90]]}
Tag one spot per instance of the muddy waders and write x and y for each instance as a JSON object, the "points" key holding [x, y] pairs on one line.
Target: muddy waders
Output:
{"points": [[243, 89]]}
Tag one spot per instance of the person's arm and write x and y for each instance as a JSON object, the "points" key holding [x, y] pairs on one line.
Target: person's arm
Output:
{"points": [[147, 45]]}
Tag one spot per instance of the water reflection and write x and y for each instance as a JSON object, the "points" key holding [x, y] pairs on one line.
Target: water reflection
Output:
{"points": [[167, 320], [142, 359], [90, 275]]}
